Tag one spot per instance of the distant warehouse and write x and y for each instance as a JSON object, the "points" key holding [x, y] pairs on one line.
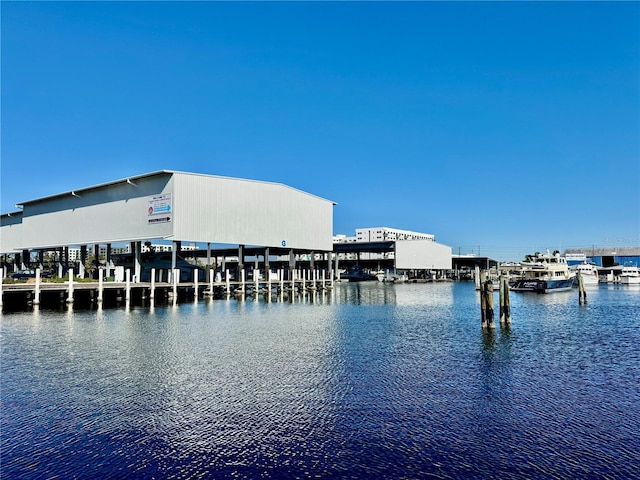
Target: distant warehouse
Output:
{"points": [[391, 248]]}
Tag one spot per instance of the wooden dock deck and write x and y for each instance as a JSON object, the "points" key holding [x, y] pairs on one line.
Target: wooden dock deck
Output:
{"points": [[17, 295]]}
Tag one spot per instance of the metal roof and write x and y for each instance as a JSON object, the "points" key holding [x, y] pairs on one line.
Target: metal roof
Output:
{"points": [[131, 180]]}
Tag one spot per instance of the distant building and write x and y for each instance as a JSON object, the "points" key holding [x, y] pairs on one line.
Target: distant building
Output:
{"points": [[604, 256], [383, 234], [392, 248]]}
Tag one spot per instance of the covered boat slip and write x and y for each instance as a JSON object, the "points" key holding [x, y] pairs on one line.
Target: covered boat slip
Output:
{"points": [[171, 206]]}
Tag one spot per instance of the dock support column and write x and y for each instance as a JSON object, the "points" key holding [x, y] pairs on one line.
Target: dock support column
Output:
{"points": [[107, 260], [175, 248], [136, 249], [337, 269], [256, 279], [582, 292], [152, 292], [196, 285], [100, 284], [208, 253], [127, 291], [1, 278], [292, 263], [240, 261], [176, 276], [60, 266], [41, 258], [137, 264], [267, 270], [83, 261], [70, 291], [505, 304], [36, 297], [228, 280], [293, 285], [96, 260]]}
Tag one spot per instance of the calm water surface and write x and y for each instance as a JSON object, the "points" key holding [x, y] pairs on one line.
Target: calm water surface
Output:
{"points": [[372, 381]]}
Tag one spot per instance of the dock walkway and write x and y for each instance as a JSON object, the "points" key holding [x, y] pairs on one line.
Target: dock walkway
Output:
{"points": [[34, 292]]}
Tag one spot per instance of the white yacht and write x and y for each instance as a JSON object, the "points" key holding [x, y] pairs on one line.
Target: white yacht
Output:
{"points": [[589, 272], [630, 275], [544, 273]]}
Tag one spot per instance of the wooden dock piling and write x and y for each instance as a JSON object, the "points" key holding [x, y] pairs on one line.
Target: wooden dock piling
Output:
{"points": [[505, 303], [486, 300], [582, 292]]}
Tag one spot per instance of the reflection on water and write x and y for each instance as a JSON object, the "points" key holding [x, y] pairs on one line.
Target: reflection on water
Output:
{"points": [[373, 380]]}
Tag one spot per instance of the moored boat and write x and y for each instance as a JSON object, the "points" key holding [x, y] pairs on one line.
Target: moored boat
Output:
{"points": [[390, 277], [543, 273], [588, 271], [358, 274], [630, 275]]}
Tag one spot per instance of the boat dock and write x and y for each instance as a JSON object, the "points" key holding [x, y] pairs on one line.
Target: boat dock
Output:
{"points": [[37, 292]]}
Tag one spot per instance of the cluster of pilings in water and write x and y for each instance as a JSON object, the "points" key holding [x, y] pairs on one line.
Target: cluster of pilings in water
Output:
{"points": [[486, 289], [279, 285]]}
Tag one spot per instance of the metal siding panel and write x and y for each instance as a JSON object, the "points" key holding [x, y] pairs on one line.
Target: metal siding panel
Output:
{"points": [[236, 211], [11, 233], [107, 215]]}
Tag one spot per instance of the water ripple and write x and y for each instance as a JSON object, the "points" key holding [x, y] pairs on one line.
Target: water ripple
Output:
{"points": [[380, 382]]}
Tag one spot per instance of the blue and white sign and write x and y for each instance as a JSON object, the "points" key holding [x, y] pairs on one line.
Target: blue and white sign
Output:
{"points": [[160, 205]]}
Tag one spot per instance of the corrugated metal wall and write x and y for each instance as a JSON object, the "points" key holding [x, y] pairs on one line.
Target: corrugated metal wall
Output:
{"points": [[110, 214], [11, 232], [422, 255], [236, 211], [180, 206]]}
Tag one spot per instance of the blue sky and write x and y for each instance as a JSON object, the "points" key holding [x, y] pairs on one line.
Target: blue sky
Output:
{"points": [[498, 126]]}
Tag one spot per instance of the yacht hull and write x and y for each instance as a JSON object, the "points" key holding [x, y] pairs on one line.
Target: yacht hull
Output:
{"points": [[542, 286]]}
